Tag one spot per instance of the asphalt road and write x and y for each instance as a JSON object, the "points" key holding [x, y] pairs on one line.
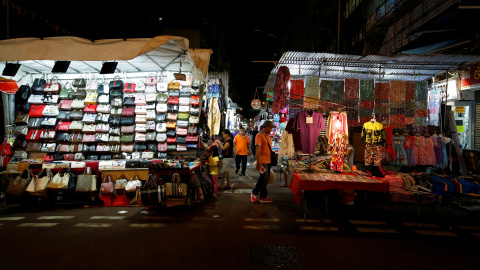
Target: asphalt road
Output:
{"points": [[233, 233]]}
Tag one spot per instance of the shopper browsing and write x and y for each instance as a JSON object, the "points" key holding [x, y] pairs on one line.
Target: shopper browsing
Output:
{"points": [[263, 144], [212, 162], [227, 148], [242, 150]]}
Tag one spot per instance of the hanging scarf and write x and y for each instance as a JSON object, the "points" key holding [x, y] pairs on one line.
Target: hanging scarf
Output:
{"points": [[280, 91]]}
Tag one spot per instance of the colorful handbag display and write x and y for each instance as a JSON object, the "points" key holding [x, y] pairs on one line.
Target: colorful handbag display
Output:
{"points": [[140, 100], [173, 86], [66, 104], [171, 125], [53, 86], [173, 100], [151, 80], [162, 98], [129, 88], [36, 110], [162, 147], [115, 84], [90, 108], [128, 112]]}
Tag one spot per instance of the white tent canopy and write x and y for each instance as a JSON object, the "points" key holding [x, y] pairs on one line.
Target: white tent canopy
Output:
{"points": [[161, 53]]}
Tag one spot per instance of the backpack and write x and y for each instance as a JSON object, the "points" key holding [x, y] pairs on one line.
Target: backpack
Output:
{"points": [[23, 93]]}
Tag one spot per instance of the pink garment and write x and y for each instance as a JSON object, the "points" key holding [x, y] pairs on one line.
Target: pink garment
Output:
{"points": [[420, 150], [430, 151]]}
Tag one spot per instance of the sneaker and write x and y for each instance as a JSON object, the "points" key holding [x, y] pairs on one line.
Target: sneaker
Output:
{"points": [[242, 174], [221, 189], [266, 200], [236, 171], [253, 197]]}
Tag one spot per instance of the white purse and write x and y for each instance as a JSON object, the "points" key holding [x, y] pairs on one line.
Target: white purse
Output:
{"points": [[147, 155], [78, 164], [78, 104], [151, 97], [103, 99], [151, 114], [140, 127], [91, 97], [140, 109], [150, 89], [105, 165], [50, 110], [161, 127], [35, 99], [162, 108], [142, 119], [162, 87], [184, 101], [103, 108], [184, 108], [118, 164]]}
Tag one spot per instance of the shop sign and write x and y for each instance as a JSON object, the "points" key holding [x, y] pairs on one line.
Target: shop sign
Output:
{"points": [[470, 78], [460, 109], [460, 129]]}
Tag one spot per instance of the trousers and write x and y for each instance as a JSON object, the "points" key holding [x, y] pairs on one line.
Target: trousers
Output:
{"points": [[262, 182], [373, 155], [243, 160]]}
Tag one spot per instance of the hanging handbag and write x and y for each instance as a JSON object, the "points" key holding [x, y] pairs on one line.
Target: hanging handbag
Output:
{"points": [[89, 118], [63, 115], [171, 140], [79, 156], [47, 134], [147, 155], [103, 99], [107, 186], [151, 80], [63, 137], [88, 138], [116, 84], [127, 121], [151, 115], [171, 124], [195, 111], [173, 100], [140, 137], [114, 121], [183, 115], [139, 147], [77, 104], [53, 86], [33, 123], [116, 111], [36, 110], [22, 118], [86, 182], [140, 87], [171, 133], [20, 183], [38, 185], [133, 184], [60, 180], [105, 165], [141, 127], [162, 108], [66, 92], [150, 97], [161, 137], [182, 123], [172, 108], [76, 125], [195, 100], [121, 182], [181, 147], [142, 119], [20, 130], [50, 110], [103, 108], [151, 193], [129, 88], [172, 116], [76, 147], [38, 85], [162, 147], [117, 102], [91, 97], [173, 86], [161, 117], [184, 109], [33, 135], [151, 136], [129, 101], [127, 129], [90, 108], [193, 120], [129, 112], [66, 105], [182, 131], [175, 190], [181, 140], [150, 125], [126, 138], [91, 128], [162, 98], [36, 99], [161, 127], [79, 83], [114, 139], [140, 100], [80, 94], [192, 138]]}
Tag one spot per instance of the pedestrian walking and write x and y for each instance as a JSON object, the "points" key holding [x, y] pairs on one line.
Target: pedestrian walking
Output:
{"points": [[263, 143], [227, 148], [241, 149], [212, 162], [254, 134]]}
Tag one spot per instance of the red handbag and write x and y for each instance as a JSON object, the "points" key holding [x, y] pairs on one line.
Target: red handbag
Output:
{"points": [[195, 100], [90, 108], [6, 148], [34, 134], [171, 140], [173, 100], [47, 158], [128, 112], [53, 86], [63, 126], [69, 157], [36, 111], [66, 104], [129, 88], [192, 138]]}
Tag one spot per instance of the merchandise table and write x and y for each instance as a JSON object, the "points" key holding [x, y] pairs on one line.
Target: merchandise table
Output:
{"points": [[326, 181]]}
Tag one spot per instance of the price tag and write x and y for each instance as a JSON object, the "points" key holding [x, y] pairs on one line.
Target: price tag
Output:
{"points": [[309, 120]]}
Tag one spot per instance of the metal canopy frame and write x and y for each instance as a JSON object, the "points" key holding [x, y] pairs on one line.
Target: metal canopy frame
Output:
{"points": [[340, 66]]}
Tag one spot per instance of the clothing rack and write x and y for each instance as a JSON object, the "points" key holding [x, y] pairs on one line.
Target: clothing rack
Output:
{"points": [[333, 103]]}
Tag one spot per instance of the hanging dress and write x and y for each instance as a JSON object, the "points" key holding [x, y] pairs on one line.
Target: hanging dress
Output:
{"points": [[437, 146], [409, 150], [445, 140], [388, 150], [430, 151], [337, 134], [400, 154], [420, 151]]}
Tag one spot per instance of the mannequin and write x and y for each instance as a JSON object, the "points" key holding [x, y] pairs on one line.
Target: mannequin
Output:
{"points": [[374, 137]]}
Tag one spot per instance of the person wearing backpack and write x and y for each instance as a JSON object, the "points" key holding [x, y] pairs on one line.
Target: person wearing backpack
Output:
{"points": [[227, 149]]}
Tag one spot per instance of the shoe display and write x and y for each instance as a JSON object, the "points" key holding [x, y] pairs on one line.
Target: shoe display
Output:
{"points": [[266, 200], [253, 197]]}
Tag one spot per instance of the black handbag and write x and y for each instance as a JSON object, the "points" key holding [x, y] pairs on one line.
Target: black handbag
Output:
{"points": [[144, 163], [23, 93], [171, 133], [63, 137], [58, 157], [139, 147], [89, 148], [116, 84], [79, 83], [34, 123], [132, 164], [172, 108], [23, 106], [101, 89], [161, 117], [114, 121], [127, 121], [116, 93], [79, 94], [105, 157], [126, 155], [76, 115], [152, 147], [92, 157], [38, 85], [63, 115], [129, 101], [181, 140], [162, 155]]}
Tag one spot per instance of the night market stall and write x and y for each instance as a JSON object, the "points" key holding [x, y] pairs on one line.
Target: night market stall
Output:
{"points": [[367, 123], [119, 118]]}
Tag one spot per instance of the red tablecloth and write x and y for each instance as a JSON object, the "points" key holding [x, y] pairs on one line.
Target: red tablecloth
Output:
{"points": [[297, 184]]}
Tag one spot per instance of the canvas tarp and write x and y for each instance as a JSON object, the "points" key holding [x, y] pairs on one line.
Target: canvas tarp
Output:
{"points": [[134, 55]]}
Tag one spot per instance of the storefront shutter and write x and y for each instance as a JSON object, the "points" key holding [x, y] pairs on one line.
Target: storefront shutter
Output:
{"points": [[476, 125]]}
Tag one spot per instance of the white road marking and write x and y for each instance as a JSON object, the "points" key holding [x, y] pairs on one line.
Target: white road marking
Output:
{"points": [[94, 225], [367, 222], [107, 217], [56, 217], [38, 225], [377, 230], [11, 218], [262, 219], [435, 233], [320, 228], [260, 227], [147, 225]]}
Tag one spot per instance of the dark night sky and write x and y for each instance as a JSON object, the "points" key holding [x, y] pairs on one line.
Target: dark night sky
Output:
{"points": [[252, 30]]}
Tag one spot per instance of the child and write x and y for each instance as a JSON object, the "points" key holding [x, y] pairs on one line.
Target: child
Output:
{"points": [[212, 162]]}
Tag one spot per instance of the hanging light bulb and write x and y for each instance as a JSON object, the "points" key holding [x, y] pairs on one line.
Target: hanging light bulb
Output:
{"points": [[338, 124]]}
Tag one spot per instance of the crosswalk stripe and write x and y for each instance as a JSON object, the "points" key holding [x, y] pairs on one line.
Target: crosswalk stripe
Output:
{"points": [[435, 233], [38, 225], [319, 228], [260, 227], [367, 222], [147, 225], [464, 227], [262, 219], [156, 218], [107, 217], [376, 230], [94, 225], [413, 224], [56, 217], [11, 218]]}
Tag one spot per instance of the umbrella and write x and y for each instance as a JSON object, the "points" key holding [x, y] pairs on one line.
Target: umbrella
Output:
{"points": [[8, 86]]}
